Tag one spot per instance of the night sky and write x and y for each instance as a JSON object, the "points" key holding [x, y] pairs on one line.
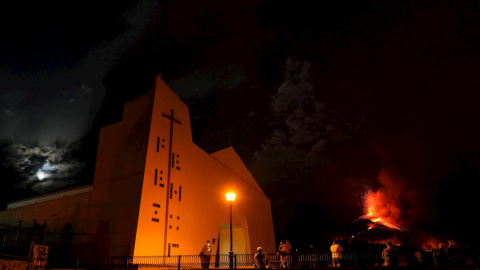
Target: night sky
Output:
{"points": [[325, 101]]}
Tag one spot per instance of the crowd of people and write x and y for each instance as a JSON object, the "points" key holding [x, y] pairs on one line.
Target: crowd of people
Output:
{"points": [[390, 254], [440, 255]]}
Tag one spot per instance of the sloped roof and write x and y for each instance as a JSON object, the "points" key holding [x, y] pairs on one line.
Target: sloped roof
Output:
{"points": [[230, 159], [51, 196]]}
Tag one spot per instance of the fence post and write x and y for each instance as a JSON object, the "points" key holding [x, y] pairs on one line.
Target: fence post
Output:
{"points": [[179, 258], [235, 261], [356, 259], [18, 231], [126, 263]]}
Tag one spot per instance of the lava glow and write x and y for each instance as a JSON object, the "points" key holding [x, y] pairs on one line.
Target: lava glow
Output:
{"points": [[374, 212]]}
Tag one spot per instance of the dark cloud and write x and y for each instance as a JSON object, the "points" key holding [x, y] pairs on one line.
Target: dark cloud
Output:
{"points": [[51, 86], [42, 169], [296, 162], [324, 103]]}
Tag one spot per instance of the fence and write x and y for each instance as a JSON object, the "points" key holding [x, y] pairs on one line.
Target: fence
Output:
{"points": [[15, 240], [365, 260], [11, 235]]}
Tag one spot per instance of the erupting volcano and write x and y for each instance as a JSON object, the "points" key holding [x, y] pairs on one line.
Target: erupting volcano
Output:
{"points": [[374, 214], [380, 221]]}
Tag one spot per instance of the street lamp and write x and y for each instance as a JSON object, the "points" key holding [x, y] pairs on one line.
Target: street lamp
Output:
{"points": [[231, 199]]}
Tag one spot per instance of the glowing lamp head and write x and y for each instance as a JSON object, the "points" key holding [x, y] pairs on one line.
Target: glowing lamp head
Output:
{"points": [[230, 197]]}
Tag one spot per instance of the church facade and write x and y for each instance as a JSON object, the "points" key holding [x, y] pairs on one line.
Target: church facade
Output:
{"points": [[155, 193]]}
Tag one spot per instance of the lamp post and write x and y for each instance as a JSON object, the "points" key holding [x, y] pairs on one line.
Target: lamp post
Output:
{"points": [[231, 199]]}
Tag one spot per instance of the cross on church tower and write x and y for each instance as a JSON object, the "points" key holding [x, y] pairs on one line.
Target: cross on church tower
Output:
{"points": [[171, 164]]}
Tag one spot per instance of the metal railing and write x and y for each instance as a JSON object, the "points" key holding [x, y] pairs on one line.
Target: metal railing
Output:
{"points": [[362, 260], [18, 235]]}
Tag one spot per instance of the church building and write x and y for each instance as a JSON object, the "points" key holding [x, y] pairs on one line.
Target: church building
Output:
{"points": [[155, 193]]}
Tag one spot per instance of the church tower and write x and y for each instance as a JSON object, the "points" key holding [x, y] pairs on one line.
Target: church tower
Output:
{"points": [[156, 193]]}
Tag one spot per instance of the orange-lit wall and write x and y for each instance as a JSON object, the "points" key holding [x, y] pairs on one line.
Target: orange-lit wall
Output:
{"points": [[126, 213], [204, 179], [119, 174], [55, 213]]}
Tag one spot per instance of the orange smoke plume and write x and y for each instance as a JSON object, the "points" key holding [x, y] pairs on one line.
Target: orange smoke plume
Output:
{"points": [[378, 212], [384, 206]]}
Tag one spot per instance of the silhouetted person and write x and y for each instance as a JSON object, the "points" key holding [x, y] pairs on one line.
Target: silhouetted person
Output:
{"points": [[469, 254], [419, 257], [288, 248], [205, 255], [440, 255], [390, 255], [312, 257], [455, 254], [336, 250], [281, 253], [259, 258]]}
